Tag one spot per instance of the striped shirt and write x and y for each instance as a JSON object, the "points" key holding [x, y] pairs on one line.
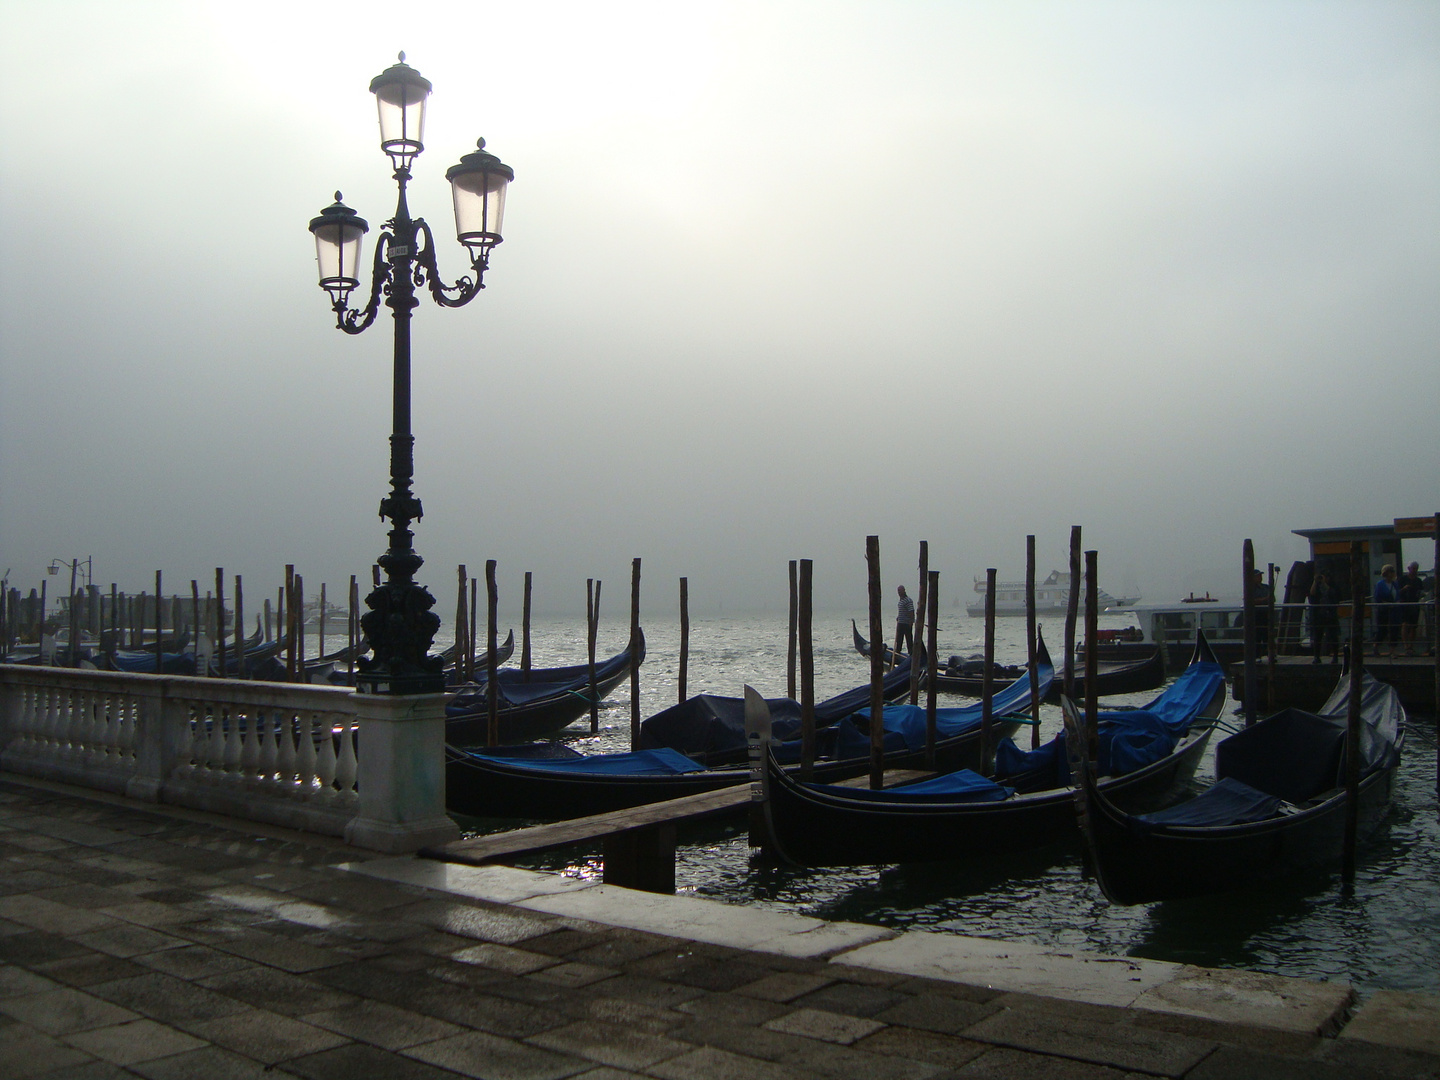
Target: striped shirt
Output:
{"points": [[906, 613]]}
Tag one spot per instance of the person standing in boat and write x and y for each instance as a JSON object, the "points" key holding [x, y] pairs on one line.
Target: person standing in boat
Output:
{"points": [[1411, 589], [1324, 619], [1387, 601], [905, 622]]}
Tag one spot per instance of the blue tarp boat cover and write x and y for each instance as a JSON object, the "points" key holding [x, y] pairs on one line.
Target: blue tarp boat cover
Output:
{"points": [[140, 661], [1229, 802], [663, 762], [963, 785], [908, 721], [1129, 739]]}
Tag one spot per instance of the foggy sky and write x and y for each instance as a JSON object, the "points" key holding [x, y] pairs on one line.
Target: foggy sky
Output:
{"points": [[775, 276]]}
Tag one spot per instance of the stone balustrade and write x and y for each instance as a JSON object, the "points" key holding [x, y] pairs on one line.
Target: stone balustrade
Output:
{"points": [[273, 752]]}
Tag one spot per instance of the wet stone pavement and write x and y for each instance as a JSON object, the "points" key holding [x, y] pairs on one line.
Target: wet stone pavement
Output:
{"points": [[140, 941]]}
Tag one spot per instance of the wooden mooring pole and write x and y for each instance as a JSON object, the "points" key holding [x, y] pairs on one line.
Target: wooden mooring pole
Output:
{"points": [[240, 671], [1435, 638], [1359, 589], [354, 625], [299, 616], [1092, 655], [877, 667], [525, 630], [592, 619], [805, 628], [1270, 646], [220, 619], [684, 636], [290, 621], [1252, 688], [987, 683], [1072, 612], [635, 655], [1031, 648], [195, 625], [793, 631], [917, 629], [470, 636], [932, 663], [492, 686], [159, 631], [462, 621]]}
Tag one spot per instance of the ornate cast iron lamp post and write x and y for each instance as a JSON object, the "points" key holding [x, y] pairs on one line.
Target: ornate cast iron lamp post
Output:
{"points": [[400, 625]]}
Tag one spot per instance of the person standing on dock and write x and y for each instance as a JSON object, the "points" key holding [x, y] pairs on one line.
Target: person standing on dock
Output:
{"points": [[1410, 589], [1262, 594], [1387, 601], [1324, 619], [904, 622]]}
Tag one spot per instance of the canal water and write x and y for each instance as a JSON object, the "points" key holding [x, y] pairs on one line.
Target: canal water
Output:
{"points": [[1381, 934]]}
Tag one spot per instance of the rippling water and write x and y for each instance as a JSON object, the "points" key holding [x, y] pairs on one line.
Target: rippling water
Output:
{"points": [[1380, 934]]}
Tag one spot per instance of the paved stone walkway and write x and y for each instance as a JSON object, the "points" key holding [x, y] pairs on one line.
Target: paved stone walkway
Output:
{"points": [[140, 941]]}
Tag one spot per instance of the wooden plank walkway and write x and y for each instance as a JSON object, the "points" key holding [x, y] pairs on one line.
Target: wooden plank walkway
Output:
{"points": [[505, 845]]}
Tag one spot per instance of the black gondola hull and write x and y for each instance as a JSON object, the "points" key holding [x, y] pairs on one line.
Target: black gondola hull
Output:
{"points": [[484, 787], [814, 828], [1138, 861], [1137, 869]]}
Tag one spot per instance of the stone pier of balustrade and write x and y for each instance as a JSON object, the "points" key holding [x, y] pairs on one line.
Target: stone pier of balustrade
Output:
{"points": [[272, 752]]}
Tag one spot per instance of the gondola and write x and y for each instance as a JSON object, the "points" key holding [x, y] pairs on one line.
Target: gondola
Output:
{"points": [[503, 652], [1278, 805], [963, 814], [181, 661], [532, 710], [550, 780], [967, 676]]}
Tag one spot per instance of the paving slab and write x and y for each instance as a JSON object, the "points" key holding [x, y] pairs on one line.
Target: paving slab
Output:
{"points": [[1003, 1063], [1015, 966], [138, 1040], [26, 1052], [498, 884], [383, 1025], [1252, 998], [709, 921], [480, 1055], [1120, 1046], [207, 1063], [357, 1061], [63, 1011], [826, 1026], [709, 1063], [265, 1036], [504, 958], [610, 1044], [16, 982], [1408, 1021], [51, 916]]}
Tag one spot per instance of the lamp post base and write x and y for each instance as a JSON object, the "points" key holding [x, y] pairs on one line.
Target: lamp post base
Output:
{"points": [[400, 627]]}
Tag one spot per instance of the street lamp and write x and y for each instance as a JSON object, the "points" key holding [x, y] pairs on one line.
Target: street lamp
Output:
{"points": [[400, 625]]}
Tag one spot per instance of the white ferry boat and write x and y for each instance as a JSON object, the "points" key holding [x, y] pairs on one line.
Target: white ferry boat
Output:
{"points": [[1052, 597], [1172, 626]]}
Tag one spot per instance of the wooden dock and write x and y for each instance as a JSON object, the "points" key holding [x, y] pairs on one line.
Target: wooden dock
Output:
{"points": [[1303, 684], [638, 843]]}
